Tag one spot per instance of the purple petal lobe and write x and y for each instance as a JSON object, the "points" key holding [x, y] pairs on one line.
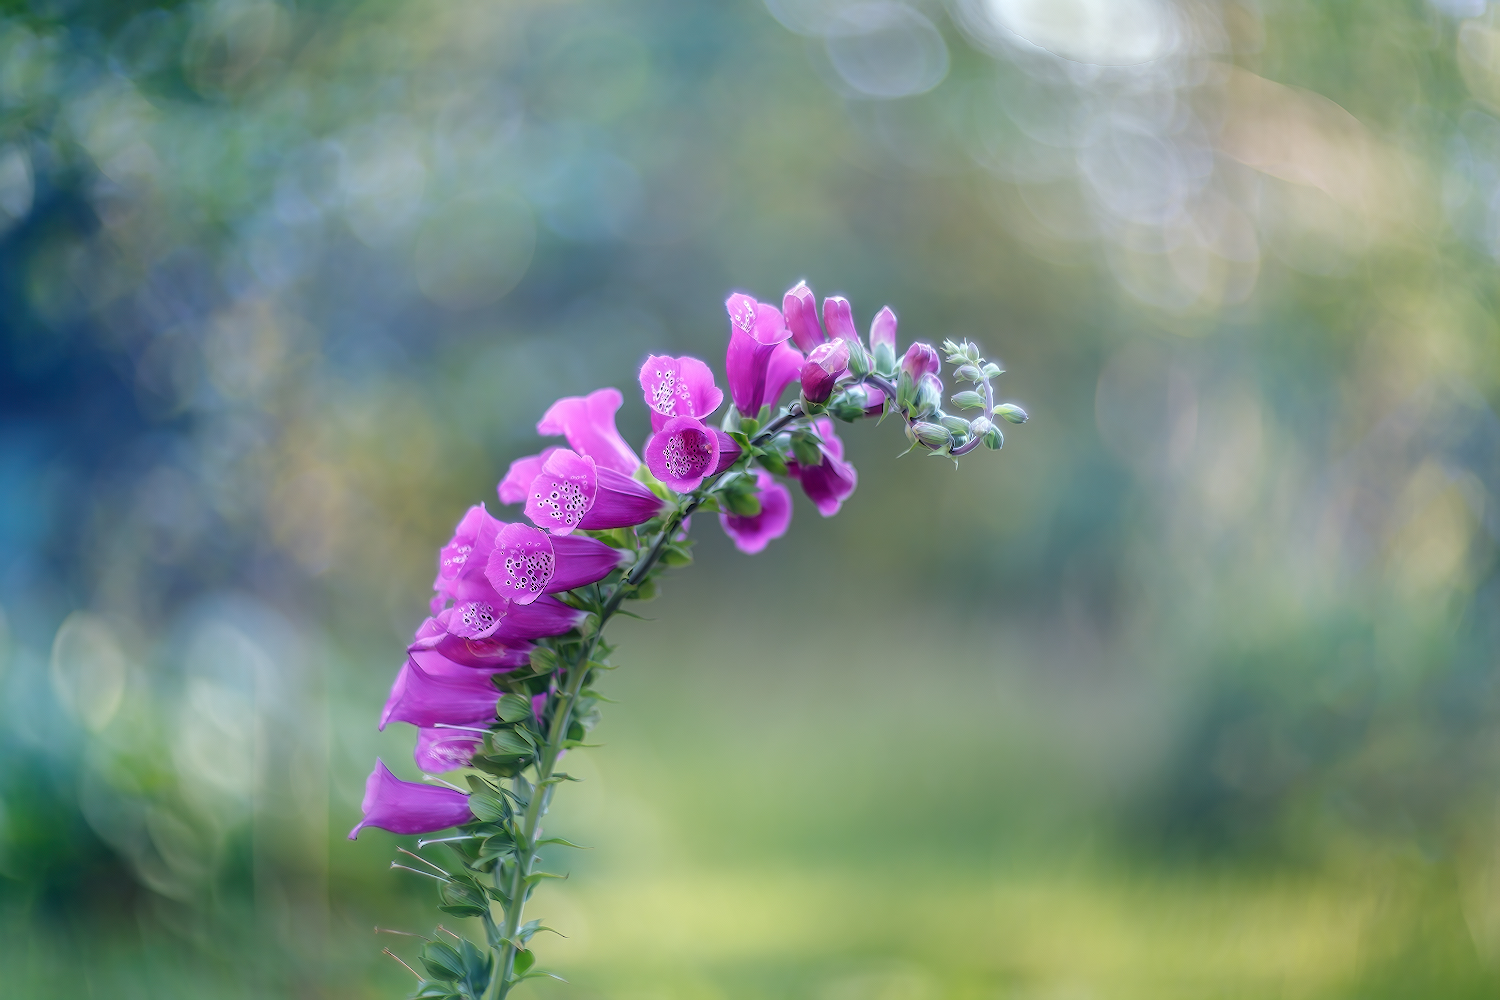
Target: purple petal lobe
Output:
{"points": [[800, 308], [682, 453], [678, 387], [521, 564], [517, 481], [562, 494], [588, 422], [409, 807], [751, 534]]}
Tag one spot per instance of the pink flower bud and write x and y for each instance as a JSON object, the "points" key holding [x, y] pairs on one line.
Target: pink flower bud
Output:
{"points": [[883, 330], [822, 369], [839, 318], [800, 307], [921, 359]]}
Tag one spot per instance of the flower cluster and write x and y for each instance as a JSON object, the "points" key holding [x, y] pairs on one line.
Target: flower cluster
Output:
{"points": [[498, 680]]}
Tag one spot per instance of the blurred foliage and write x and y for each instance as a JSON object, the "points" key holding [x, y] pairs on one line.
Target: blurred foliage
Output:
{"points": [[1191, 691]]}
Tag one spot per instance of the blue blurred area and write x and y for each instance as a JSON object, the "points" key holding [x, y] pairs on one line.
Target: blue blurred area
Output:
{"points": [[1189, 690]]}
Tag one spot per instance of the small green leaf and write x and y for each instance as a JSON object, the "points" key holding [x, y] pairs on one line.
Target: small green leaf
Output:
{"points": [[564, 843], [488, 807]]}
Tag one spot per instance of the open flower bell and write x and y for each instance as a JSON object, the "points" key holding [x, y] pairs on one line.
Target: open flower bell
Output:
{"points": [[408, 806]]}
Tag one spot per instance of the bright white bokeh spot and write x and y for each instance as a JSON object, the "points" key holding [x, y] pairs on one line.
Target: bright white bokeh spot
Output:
{"points": [[1100, 32], [886, 50]]}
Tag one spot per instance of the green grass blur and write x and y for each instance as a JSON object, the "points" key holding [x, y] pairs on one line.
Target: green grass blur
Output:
{"points": [[1188, 692]]}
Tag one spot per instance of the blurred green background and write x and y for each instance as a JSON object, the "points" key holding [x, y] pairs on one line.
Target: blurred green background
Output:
{"points": [[1189, 692]]}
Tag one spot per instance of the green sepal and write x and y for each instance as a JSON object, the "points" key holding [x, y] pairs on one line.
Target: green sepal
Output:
{"points": [[748, 427], [805, 449], [773, 462], [515, 742], [543, 660], [514, 708], [499, 846], [488, 807], [434, 991], [524, 960], [462, 900], [645, 591], [442, 962], [742, 439]]}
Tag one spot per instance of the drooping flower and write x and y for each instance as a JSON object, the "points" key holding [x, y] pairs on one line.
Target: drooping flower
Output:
{"points": [[588, 422], [682, 453], [572, 492], [838, 317], [678, 387], [443, 749], [800, 309], [752, 533], [527, 562], [870, 399], [822, 369], [921, 359], [451, 696], [517, 481], [481, 612], [829, 483], [433, 637], [409, 807], [760, 363]]}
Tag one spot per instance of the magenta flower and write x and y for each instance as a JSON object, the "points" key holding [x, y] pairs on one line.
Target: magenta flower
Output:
{"points": [[760, 363], [517, 482], [571, 492], [839, 318], [481, 612], [829, 483], [440, 750], [678, 387], [822, 369], [409, 807], [452, 696], [434, 638], [682, 453], [588, 422], [800, 308], [751, 534], [921, 359], [526, 562]]}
